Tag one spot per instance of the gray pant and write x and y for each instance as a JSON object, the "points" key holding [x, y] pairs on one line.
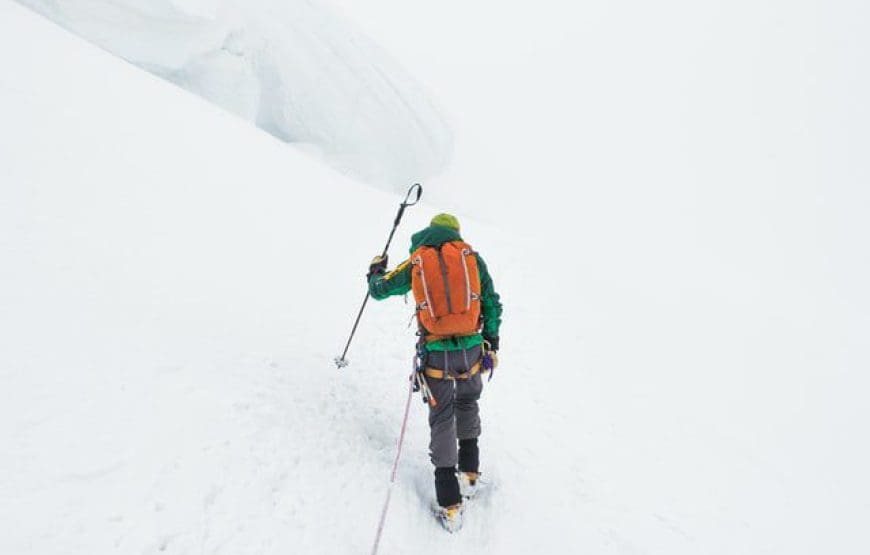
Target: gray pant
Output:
{"points": [[457, 415]]}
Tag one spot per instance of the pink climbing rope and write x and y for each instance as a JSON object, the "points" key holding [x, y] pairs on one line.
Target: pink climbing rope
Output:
{"points": [[395, 469]]}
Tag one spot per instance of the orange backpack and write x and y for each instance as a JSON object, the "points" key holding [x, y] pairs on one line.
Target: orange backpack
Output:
{"points": [[446, 285]]}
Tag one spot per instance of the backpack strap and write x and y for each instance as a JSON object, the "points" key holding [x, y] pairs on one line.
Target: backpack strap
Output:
{"points": [[443, 267], [417, 260], [397, 270]]}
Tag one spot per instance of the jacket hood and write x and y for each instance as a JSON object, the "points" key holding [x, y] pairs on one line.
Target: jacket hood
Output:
{"points": [[433, 236]]}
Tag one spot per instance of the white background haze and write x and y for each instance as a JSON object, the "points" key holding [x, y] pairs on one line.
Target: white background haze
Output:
{"points": [[671, 198]]}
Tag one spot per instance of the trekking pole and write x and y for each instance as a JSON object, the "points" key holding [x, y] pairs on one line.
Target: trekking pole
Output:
{"points": [[417, 190]]}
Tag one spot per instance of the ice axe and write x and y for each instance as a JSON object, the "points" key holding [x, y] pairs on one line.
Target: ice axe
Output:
{"points": [[416, 191]]}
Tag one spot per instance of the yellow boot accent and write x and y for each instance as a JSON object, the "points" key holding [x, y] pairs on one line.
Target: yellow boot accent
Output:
{"points": [[452, 511]]}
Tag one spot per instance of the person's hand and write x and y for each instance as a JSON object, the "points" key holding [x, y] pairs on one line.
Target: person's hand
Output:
{"points": [[490, 354], [378, 266], [490, 361]]}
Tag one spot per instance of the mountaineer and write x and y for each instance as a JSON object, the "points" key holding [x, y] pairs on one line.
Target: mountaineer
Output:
{"points": [[459, 314]]}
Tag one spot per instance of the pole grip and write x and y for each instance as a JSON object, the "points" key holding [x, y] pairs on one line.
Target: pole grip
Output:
{"points": [[417, 189], [399, 215]]}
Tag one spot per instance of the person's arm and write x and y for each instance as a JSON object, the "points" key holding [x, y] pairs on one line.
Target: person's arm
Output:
{"points": [[396, 282], [490, 305]]}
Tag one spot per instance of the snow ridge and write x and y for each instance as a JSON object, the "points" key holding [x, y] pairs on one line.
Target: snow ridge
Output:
{"points": [[294, 68]]}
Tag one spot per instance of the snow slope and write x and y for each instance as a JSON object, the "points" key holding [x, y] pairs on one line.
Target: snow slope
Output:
{"points": [[294, 68], [174, 284], [698, 172], [174, 287]]}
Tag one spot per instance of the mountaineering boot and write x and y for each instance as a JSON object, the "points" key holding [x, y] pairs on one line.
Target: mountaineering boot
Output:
{"points": [[468, 484], [451, 517], [450, 508]]}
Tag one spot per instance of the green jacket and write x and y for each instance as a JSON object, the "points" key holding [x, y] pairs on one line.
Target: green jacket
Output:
{"points": [[398, 282]]}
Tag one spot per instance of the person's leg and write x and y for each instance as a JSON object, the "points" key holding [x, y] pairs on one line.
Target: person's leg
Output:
{"points": [[469, 455], [442, 444], [447, 486], [468, 422]]}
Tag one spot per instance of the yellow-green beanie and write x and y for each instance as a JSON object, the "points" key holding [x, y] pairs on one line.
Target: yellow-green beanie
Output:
{"points": [[446, 220]]}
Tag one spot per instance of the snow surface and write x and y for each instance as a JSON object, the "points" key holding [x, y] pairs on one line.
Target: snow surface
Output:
{"points": [[293, 67], [682, 256]]}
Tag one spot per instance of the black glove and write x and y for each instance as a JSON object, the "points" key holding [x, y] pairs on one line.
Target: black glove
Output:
{"points": [[378, 266], [493, 342]]}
